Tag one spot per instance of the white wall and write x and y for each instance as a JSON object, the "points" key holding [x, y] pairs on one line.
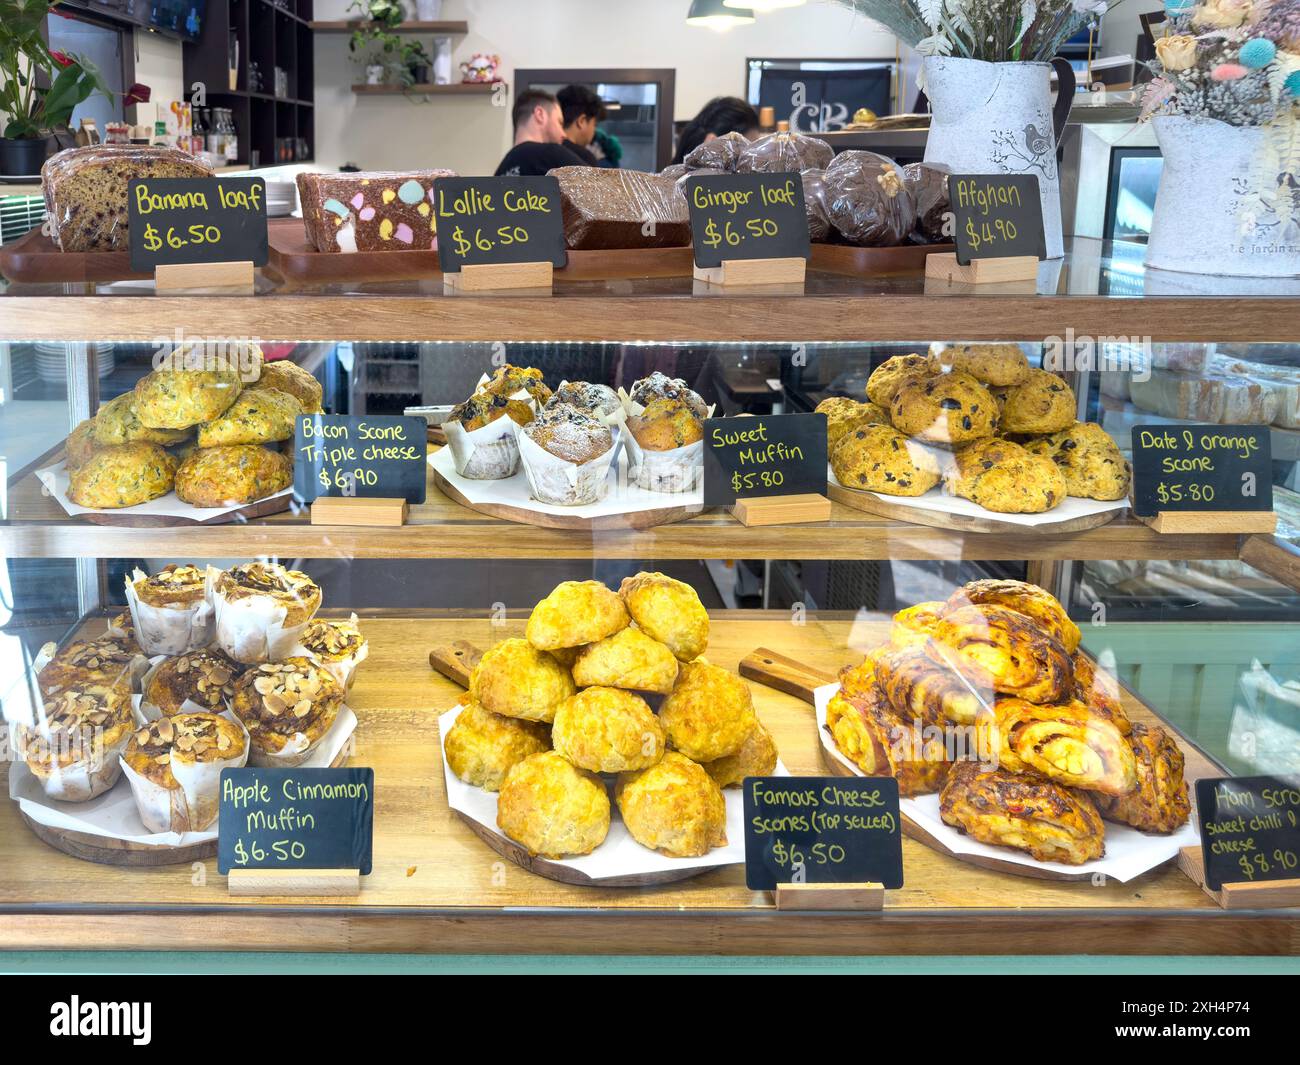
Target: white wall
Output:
{"points": [[158, 65], [470, 135]]}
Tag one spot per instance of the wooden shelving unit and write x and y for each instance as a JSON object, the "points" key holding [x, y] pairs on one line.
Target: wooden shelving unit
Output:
{"points": [[446, 28], [269, 36], [437, 887], [459, 88]]}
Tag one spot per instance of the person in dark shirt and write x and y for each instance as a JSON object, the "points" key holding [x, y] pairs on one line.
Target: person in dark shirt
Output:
{"points": [[720, 116], [582, 111], [539, 137]]}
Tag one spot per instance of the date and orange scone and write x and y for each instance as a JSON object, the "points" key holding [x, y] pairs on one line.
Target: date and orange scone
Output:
{"points": [[287, 708], [205, 678], [174, 768], [261, 609], [170, 609]]}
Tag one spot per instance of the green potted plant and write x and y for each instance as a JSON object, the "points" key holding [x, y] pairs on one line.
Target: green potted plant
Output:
{"points": [[373, 45], [39, 88], [416, 63]]}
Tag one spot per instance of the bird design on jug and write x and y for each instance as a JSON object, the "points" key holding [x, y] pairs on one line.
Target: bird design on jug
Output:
{"points": [[1019, 151]]}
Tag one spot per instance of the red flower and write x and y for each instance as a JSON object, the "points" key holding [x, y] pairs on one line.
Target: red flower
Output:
{"points": [[62, 59], [137, 94]]}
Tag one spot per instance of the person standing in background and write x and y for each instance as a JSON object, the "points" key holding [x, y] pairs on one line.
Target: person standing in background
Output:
{"points": [[539, 137], [582, 111], [720, 116]]}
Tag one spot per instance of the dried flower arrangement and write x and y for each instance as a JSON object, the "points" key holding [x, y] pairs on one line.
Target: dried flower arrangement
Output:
{"points": [[1237, 61], [996, 31]]}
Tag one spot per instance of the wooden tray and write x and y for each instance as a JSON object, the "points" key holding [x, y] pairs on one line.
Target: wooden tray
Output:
{"points": [[104, 850], [35, 259], [456, 661], [943, 519], [637, 519], [873, 262], [786, 675], [294, 259], [260, 509]]}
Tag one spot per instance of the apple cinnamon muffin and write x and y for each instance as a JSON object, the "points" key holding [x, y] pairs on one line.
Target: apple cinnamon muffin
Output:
{"points": [[287, 707]]}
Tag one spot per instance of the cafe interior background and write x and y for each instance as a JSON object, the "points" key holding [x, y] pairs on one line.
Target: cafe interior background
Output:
{"points": [[655, 63]]}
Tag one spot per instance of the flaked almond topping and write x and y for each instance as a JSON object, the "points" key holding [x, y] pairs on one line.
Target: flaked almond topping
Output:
{"points": [[264, 685], [164, 759], [223, 741], [302, 708], [166, 730], [142, 736], [183, 665]]}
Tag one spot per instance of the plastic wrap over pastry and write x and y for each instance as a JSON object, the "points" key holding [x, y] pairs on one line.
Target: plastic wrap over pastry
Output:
{"points": [[784, 153], [867, 199], [85, 190], [170, 622], [721, 153], [621, 209], [928, 185], [814, 202]]}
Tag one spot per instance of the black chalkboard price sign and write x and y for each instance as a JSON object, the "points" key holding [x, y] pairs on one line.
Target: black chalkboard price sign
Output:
{"points": [[485, 221], [747, 216], [196, 220], [296, 819], [364, 455], [767, 455], [1250, 829], [822, 830], [1201, 467], [996, 216]]}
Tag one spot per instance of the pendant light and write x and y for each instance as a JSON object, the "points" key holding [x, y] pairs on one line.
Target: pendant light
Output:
{"points": [[718, 16]]}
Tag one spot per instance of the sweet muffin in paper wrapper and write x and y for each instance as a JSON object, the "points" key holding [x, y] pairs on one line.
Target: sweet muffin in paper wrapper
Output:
{"points": [[170, 611], [195, 681], [174, 765], [488, 453], [665, 445], [72, 750], [287, 707], [261, 609], [571, 481], [679, 469], [659, 385], [105, 662], [337, 645]]}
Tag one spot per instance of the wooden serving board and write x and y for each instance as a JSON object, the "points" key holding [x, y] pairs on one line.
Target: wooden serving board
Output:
{"points": [[873, 262], [935, 518], [293, 259], [636, 519], [263, 507], [792, 677], [626, 264], [455, 661], [105, 850], [35, 259]]}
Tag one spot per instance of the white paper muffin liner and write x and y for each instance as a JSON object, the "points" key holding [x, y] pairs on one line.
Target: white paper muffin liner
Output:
{"points": [[169, 630], [251, 630], [488, 453], [193, 805], [556, 480], [296, 750], [343, 670], [679, 469]]}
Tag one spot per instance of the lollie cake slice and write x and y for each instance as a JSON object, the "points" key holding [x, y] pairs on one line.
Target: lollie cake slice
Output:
{"points": [[370, 210]]}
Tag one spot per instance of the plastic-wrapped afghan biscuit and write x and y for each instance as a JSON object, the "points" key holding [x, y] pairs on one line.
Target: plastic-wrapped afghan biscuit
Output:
{"points": [[814, 203], [928, 185], [721, 153], [867, 199], [784, 153]]}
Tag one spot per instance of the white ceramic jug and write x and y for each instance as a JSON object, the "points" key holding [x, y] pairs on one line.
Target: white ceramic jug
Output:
{"points": [[1225, 205], [998, 118]]}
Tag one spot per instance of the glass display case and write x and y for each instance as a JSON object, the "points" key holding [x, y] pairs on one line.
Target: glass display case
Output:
{"points": [[1198, 630]]}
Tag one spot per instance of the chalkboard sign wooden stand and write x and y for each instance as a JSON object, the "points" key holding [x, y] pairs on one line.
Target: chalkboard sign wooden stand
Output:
{"points": [[754, 272], [1184, 522], [1263, 895], [228, 278], [830, 896], [294, 882], [357, 510], [782, 510], [945, 267], [496, 277]]}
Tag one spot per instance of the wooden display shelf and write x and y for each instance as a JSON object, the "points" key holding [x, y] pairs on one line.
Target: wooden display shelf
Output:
{"points": [[436, 887], [441, 528], [445, 28], [655, 309], [456, 88]]}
